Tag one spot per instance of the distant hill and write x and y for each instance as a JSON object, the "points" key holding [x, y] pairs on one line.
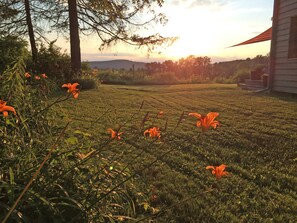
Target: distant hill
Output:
{"points": [[117, 64]]}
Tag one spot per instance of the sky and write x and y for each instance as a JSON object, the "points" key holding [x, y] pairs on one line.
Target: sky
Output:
{"points": [[203, 28]]}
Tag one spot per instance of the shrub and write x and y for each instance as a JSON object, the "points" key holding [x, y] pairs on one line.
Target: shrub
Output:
{"points": [[164, 78], [107, 76], [11, 48], [240, 75], [52, 62], [87, 83]]}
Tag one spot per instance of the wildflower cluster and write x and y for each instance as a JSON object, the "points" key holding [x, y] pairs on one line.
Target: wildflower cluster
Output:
{"points": [[36, 77], [204, 122]]}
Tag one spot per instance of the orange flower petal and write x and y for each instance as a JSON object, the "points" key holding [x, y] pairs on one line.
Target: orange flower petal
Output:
{"points": [[195, 115], [75, 94], [210, 167], [146, 132], [5, 113], [72, 89], [66, 85], [115, 134], [27, 75], [74, 85], [153, 132], [4, 108], [204, 122], [9, 108], [218, 171], [212, 115], [215, 124]]}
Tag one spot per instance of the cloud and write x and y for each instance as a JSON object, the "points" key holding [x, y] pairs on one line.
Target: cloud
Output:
{"points": [[175, 2], [106, 56], [190, 3], [197, 3]]}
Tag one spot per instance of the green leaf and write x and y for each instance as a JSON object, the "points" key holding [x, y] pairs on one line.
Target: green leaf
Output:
{"points": [[11, 176], [72, 140], [82, 133]]}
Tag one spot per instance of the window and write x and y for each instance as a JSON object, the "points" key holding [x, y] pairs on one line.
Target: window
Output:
{"points": [[293, 38]]}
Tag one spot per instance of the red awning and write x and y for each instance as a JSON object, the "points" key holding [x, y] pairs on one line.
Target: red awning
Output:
{"points": [[266, 35]]}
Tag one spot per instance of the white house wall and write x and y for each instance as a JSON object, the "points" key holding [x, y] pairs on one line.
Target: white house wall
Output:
{"points": [[285, 74]]}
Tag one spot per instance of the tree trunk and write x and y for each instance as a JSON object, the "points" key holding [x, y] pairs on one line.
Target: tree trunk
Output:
{"points": [[74, 38], [31, 32]]}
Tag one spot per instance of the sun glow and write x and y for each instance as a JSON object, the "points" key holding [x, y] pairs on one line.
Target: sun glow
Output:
{"points": [[209, 30], [196, 31]]}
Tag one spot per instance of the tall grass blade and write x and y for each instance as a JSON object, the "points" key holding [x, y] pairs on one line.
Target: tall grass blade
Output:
{"points": [[35, 174]]}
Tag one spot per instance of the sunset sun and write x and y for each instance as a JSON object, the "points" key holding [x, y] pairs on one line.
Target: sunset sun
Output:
{"points": [[195, 29]]}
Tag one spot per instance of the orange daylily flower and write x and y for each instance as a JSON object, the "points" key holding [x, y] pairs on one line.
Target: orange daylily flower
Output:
{"points": [[4, 108], [43, 75], [161, 113], [27, 75], [37, 78], [218, 171], [206, 121], [153, 132], [115, 134], [72, 89]]}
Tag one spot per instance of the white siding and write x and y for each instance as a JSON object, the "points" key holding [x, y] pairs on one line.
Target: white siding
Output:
{"points": [[285, 74]]}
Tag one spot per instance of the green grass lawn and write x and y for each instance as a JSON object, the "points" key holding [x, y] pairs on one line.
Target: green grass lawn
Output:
{"points": [[257, 140]]}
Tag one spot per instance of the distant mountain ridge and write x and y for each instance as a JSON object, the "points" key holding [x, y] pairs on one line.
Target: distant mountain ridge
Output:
{"points": [[117, 64]]}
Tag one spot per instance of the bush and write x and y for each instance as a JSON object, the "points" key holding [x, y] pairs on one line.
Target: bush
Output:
{"points": [[11, 48], [164, 78], [87, 83], [240, 75], [51, 61], [107, 76]]}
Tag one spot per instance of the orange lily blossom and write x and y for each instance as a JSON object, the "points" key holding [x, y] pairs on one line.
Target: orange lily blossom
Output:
{"points": [[37, 78], [27, 75], [161, 113], [153, 132], [4, 108], [72, 89], [218, 171], [205, 121], [115, 134], [43, 75]]}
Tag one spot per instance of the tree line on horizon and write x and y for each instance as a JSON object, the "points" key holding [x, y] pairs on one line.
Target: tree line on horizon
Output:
{"points": [[203, 68], [186, 70]]}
